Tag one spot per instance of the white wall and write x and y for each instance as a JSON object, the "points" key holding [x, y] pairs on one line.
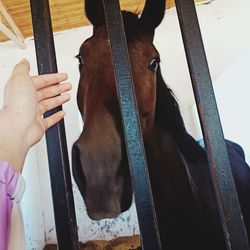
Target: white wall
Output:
{"points": [[232, 90], [224, 27]]}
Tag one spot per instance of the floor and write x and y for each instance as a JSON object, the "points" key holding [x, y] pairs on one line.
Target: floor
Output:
{"points": [[121, 243]]}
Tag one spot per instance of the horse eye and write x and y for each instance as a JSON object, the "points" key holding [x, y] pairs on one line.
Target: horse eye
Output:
{"points": [[154, 64], [80, 59]]}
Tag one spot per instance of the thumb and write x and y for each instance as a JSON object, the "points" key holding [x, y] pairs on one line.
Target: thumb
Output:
{"points": [[22, 67]]}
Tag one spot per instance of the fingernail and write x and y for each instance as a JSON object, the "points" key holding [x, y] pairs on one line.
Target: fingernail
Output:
{"points": [[63, 76], [66, 96], [68, 85]]}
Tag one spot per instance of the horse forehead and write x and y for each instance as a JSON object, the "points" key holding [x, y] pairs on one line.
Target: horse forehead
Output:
{"points": [[142, 48], [98, 41], [139, 45]]}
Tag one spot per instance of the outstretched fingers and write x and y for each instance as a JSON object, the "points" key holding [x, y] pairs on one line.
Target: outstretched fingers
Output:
{"points": [[51, 95], [53, 90], [53, 102], [46, 80]]}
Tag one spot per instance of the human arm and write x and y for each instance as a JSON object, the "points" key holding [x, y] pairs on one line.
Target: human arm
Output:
{"points": [[26, 99]]}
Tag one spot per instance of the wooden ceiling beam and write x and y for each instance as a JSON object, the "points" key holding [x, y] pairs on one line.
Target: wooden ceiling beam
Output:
{"points": [[14, 33], [66, 14], [7, 32]]}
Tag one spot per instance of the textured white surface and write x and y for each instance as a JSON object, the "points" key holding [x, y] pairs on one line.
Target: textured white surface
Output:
{"points": [[234, 86]]}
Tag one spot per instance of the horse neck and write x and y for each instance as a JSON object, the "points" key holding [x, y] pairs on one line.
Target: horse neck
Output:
{"points": [[168, 118], [167, 163]]}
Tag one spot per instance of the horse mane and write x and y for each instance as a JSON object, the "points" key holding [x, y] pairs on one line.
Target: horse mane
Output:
{"points": [[168, 118], [167, 113]]}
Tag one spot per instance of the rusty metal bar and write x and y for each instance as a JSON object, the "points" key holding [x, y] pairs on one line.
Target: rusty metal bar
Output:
{"points": [[63, 202], [226, 195], [135, 148]]}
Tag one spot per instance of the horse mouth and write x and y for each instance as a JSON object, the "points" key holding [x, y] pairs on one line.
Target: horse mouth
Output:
{"points": [[98, 213], [100, 216]]}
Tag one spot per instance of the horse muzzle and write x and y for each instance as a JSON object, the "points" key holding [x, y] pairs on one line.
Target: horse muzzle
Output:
{"points": [[106, 191]]}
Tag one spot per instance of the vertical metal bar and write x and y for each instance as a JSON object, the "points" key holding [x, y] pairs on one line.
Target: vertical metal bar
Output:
{"points": [[64, 210], [227, 199], [135, 149]]}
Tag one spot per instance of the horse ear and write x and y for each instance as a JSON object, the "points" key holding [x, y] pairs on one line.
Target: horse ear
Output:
{"points": [[95, 12], [153, 14]]}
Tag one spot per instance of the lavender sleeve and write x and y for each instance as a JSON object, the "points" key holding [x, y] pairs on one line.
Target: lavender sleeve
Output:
{"points": [[8, 182]]}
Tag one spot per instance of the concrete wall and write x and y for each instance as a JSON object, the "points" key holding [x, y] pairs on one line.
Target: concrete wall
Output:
{"points": [[226, 37]]}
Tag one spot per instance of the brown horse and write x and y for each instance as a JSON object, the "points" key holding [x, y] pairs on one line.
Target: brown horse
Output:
{"points": [[183, 195]]}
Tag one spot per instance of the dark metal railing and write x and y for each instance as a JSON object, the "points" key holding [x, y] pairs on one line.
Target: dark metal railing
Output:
{"points": [[226, 195], [63, 202]]}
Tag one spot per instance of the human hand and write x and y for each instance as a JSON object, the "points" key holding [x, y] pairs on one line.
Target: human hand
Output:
{"points": [[26, 99]]}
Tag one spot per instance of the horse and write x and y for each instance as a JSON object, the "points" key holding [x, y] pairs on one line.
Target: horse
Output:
{"points": [[183, 194]]}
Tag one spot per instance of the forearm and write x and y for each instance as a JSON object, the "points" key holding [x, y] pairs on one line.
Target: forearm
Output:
{"points": [[26, 99], [12, 148]]}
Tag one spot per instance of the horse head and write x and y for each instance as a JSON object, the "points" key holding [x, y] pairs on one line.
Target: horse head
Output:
{"points": [[100, 165]]}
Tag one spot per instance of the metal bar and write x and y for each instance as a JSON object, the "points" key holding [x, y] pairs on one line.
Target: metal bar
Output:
{"points": [[227, 199], [64, 210], [135, 149]]}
